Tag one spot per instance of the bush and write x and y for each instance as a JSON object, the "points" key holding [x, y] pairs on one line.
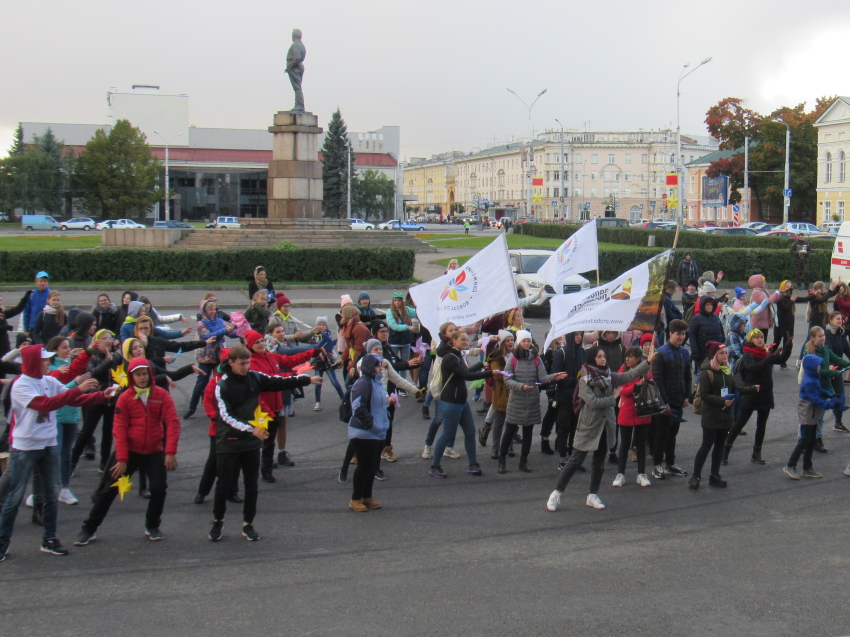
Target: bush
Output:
{"points": [[738, 265], [664, 238], [177, 266]]}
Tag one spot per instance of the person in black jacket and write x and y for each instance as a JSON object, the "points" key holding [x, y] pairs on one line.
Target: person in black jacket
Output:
{"points": [[757, 369], [5, 328], [105, 314], [687, 271], [455, 408], [260, 281], [157, 348], [569, 359], [837, 343], [786, 308], [50, 320], [241, 427], [123, 311], [671, 372], [704, 327]]}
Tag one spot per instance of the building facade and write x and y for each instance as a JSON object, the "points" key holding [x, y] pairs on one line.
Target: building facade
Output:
{"points": [[432, 182], [696, 210], [833, 189]]}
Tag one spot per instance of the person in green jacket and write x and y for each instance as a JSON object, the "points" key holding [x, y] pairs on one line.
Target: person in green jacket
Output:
{"points": [[831, 366], [466, 227]]}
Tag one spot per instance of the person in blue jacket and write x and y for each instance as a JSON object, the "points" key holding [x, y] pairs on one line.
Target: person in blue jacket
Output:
{"points": [[135, 311], [37, 301]]}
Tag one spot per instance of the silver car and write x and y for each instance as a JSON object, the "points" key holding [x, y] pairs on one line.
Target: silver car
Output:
{"points": [[526, 263]]}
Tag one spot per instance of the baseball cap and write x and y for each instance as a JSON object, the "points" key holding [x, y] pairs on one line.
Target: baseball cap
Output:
{"points": [[42, 275]]}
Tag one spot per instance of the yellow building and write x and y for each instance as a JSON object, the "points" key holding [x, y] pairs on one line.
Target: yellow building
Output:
{"points": [[432, 181], [833, 151]]}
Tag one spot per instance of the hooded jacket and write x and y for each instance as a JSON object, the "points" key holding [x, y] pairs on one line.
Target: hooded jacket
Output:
{"points": [[812, 395], [5, 314], [80, 337], [735, 339], [369, 402], [763, 320], [704, 327], [355, 334], [138, 423], [671, 371], [105, 318], [35, 398], [456, 373], [615, 351], [570, 359], [272, 364]]}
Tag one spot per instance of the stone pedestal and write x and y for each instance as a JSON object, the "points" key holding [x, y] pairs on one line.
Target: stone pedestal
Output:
{"points": [[295, 172]]}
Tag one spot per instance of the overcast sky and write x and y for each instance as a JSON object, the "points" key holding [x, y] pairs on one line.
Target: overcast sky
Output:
{"points": [[437, 68]]}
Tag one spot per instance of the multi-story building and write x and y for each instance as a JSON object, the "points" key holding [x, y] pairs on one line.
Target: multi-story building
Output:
{"points": [[432, 182], [696, 210], [595, 170], [833, 189]]}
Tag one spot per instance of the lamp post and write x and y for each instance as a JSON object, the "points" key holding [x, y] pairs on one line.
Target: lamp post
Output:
{"points": [[562, 167], [165, 141], [679, 167], [530, 145], [786, 199]]}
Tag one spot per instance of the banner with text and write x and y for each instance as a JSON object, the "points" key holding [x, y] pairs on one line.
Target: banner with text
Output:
{"points": [[629, 302], [483, 286], [579, 253]]}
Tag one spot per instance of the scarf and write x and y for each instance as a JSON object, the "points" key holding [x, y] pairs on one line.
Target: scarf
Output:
{"points": [[599, 376], [130, 319], [49, 309], [142, 393], [832, 329], [759, 353], [286, 318]]}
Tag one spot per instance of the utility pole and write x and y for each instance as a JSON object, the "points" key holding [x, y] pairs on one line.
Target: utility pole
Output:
{"points": [[348, 193], [679, 167], [563, 217], [746, 179], [167, 211], [530, 145]]}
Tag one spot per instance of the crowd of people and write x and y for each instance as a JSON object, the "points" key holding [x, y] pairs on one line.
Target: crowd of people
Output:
{"points": [[72, 372]]}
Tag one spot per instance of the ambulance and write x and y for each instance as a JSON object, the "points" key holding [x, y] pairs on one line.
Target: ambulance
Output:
{"points": [[840, 264]]}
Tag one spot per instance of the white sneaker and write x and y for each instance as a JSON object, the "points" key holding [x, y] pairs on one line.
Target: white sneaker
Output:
{"points": [[642, 480], [847, 470], [594, 501], [30, 501], [318, 407], [66, 497], [620, 480], [451, 453], [426, 452], [554, 501]]}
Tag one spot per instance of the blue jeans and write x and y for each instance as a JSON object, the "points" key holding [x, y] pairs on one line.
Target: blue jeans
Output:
{"points": [[424, 370], [46, 462], [65, 434], [428, 399], [436, 421], [332, 376], [454, 415], [403, 353]]}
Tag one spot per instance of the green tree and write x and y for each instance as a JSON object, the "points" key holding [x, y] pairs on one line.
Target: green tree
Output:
{"points": [[18, 146], [116, 176], [335, 168], [373, 195], [730, 122], [29, 182]]}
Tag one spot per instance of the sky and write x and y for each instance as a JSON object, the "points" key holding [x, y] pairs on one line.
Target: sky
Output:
{"points": [[439, 69]]}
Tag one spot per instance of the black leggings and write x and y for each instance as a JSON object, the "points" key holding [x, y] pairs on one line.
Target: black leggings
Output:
{"points": [[566, 421], [577, 458], [549, 419], [508, 437], [208, 477], [91, 416], [743, 418], [712, 440], [368, 452], [639, 443]]}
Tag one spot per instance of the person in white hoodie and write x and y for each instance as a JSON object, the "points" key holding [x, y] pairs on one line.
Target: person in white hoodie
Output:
{"points": [[35, 398]]}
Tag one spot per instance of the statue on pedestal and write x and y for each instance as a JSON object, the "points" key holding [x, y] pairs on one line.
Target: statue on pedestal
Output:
{"points": [[295, 68]]}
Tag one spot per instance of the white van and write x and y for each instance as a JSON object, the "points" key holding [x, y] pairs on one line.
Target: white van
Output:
{"points": [[840, 264]]}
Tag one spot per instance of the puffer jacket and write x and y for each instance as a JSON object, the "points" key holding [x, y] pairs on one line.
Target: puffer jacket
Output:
{"points": [[759, 371], [455, 374], [524, 406], [763, 320], [812, 394], [715, 414], [500, 390], [818, 309], [627, 416], [671, 371], [138, 427], [704, 327]]}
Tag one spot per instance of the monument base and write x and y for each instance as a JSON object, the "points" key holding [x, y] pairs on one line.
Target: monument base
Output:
{"points": [[295, 172]]}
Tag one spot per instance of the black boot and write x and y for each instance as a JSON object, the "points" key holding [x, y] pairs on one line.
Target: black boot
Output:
{"points": [[716, 481], [502, 467], [426, 414], [495, 454], [693, 483], [266, 474], [511, 451], [545, 448], [725, 459], [757, 458], [483, 411], [523, 464], [484, 433], [819, 446]]}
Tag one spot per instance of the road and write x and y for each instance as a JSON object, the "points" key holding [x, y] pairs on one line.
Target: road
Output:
{"points": [[461, 556]]}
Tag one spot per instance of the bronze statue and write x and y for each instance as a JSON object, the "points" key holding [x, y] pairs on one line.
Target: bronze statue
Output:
{"points": [[295, 68]]}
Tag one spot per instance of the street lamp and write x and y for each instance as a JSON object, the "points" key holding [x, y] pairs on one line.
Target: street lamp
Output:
{"points": [[166, 170], [530, 144], [786, 198], [679, 166], [562, 167]]}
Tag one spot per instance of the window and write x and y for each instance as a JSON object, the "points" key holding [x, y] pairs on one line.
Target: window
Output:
{"points": [[828, 172], [842, 167], [594, 159], [578, 175], [610, 159], [566, 158], [593, 193], [644, 159], [644, 176], [556, 175], [629, 158], [627, 177], [593, 176], [577, 192], [644, 193], [606, 192], [627, 192], [556, 192], [186, 182], [209, 184], [827, 211], [577, 158], [606, 176], [840, 211]]}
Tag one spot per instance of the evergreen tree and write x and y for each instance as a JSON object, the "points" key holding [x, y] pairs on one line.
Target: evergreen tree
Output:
{"points": [[55, 150], [335, 168], [18, 146], [373, 195]]}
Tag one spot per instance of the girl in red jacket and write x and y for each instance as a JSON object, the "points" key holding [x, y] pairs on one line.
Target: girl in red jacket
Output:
{"points": [[632, 428], [140, 413]]}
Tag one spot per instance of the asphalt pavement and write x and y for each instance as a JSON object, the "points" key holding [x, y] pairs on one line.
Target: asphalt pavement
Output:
{"points": [[461, 556]]}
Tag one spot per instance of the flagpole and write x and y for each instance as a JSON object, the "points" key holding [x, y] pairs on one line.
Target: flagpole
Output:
{"points": [[667, 278]]}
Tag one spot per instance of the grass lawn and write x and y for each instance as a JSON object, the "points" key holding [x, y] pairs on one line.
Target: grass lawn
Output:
{"points": [[48, 243]]}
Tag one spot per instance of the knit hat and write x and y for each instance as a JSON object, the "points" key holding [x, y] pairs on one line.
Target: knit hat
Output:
{"points": [[363, 295], [345, 299], [504, 335], [282, 300], [251, 337], [522, 335], [739, 292], [371, 343], [23, 337], [322, 319], [707, 288], [785, 286], [646, 338], [753, 333], [378, 324], [693, 282], [714, 347]]}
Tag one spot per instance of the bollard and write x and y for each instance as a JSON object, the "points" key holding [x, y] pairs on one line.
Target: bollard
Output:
{"points": [[651, 242]]}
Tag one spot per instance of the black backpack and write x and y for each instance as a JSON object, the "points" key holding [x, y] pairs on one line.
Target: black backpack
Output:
{"points": [[345, 412]]}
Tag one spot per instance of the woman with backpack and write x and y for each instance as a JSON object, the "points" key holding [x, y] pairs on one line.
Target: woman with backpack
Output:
{"points": [[526, 373], [756, 368]]}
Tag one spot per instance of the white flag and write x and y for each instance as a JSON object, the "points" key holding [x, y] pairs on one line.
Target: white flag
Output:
{"points": [[483, 286], [629, 302], [579, 253]]}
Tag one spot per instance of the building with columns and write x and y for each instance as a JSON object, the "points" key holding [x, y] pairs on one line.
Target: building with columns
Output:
{"points": [[833, 198]]}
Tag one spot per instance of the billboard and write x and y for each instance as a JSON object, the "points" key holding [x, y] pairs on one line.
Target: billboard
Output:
{"points": [[715, 191]]}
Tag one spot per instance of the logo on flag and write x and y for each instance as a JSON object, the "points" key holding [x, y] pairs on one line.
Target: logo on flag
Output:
{"points": [[564, 251], [579, 253], [454, 286]]}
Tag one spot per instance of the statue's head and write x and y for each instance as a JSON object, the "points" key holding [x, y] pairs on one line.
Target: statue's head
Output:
{"points": [[296, 34]]}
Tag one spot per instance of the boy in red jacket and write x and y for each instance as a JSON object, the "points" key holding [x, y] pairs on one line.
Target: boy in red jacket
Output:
{"points": [[140, 413]]}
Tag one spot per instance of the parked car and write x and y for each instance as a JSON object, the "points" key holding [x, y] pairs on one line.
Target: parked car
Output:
{"points": [[640, 223], [226, 223], [526, 263], [788, 234], [799, 226], [737, 231], [119, 223], [4, 216], [753, 225], [388, 225], [705, 224], [39, 222], [660, 225], [727, 224], [611, 222], [79, 223], [411, 226], [171, 223], [767, 228], [359, 224], [830, 226]]}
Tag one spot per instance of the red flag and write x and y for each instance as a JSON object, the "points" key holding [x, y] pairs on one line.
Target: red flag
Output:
{"points": [[537, 181], [672, 179]]}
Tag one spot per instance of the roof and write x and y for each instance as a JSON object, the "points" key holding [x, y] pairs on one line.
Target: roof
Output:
{"points": [[368, 160], [712, 157], [843, 101]]}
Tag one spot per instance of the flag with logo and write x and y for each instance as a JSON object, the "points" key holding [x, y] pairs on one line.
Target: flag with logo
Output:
{"points": [[481, 287], [629, 302], [579, 253]]}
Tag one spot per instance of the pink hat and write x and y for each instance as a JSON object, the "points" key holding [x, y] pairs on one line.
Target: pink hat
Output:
{"points": [[345, 299]]}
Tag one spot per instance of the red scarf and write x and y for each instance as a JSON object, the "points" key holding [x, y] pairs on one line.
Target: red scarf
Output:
{"points": [[757, 352]]}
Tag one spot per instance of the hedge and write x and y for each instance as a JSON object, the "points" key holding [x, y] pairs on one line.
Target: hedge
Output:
{"points": [[664, 238], [737, 265], [309, 264]]}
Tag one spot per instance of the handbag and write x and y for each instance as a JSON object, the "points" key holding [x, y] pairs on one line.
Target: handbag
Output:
{"points": [[648, 400]]}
